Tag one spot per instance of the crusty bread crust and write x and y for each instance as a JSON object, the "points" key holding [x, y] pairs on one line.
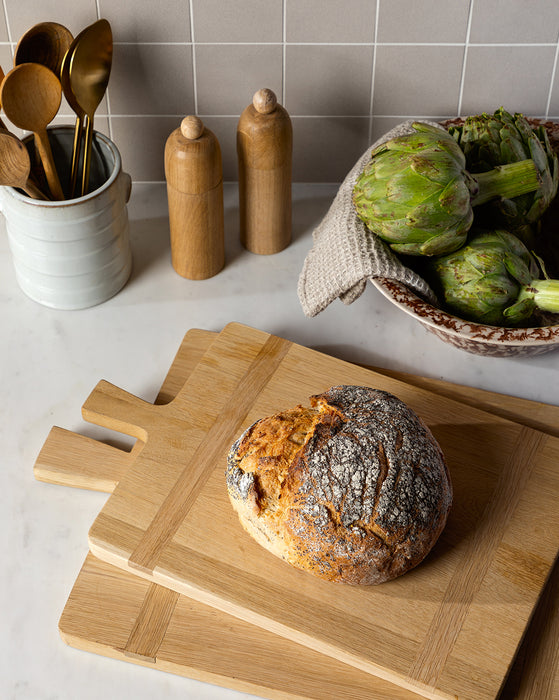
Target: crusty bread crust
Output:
{"points": [[354, 489]]}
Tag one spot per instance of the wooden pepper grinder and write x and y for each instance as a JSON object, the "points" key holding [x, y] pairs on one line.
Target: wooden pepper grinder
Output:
{"points": [[194, 175], [264, 150]]}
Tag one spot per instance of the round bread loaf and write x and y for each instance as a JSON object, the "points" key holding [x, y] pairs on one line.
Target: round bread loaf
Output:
{"points": [[354, 489]]}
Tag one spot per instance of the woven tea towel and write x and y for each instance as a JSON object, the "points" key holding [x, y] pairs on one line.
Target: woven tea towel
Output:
{"points": [[345, 254]]}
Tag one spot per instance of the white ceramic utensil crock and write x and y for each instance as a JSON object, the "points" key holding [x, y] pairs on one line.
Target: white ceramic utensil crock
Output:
{"points": [[75, 253]]}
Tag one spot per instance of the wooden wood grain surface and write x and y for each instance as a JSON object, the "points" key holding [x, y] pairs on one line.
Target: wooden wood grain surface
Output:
{"points": [[468, 604], [104, 593], [194, 176]]}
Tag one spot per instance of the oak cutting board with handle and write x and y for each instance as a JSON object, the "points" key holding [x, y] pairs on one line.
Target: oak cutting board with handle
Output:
{"points": [[116, 614], [450, 628]]}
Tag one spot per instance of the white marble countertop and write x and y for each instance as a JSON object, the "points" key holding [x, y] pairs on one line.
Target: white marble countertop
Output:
{"points": [[50, 360]]}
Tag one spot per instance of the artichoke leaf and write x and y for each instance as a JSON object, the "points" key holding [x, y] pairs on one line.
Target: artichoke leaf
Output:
{"points": [[410, 188], [456, 197], [436, 166], [537, 154], [442, 243], [517, 268], [391, 163], [519, 311]]}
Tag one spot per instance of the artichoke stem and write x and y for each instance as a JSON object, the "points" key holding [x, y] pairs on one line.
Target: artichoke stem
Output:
{"points": [[507, 181], [545, 294]]}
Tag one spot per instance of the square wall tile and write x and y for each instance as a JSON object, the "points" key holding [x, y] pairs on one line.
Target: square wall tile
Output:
{"points": [[66, 111], [326, 148], [417, 80], [6, 58], [151, 79], [328, 80], [428, 21], [225, 130], [382, 125], [73, 15], [4, 36], [141, 142], [228, 75], [242, 20], [137, 21], [514, 22], [336, 21], [515, 77], [100, 124]]}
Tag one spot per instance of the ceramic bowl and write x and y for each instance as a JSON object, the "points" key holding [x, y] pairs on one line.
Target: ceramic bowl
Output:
{"points": [[476, 337], [466, 335]]}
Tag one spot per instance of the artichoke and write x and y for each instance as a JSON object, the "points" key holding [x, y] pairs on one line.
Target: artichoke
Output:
{"points": [[491, 140], [416, 194], [493, 280]]}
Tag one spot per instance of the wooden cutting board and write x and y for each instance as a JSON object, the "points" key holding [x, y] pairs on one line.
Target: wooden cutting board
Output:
{"points": [[448, 629], [107, 606], [117, 614]]}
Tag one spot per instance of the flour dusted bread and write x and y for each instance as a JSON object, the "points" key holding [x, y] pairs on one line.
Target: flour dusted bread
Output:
{"points": [[353, 488]]}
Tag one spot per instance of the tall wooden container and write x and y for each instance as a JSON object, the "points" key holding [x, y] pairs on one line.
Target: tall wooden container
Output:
{"points": [[264, 149], [194, 174]]}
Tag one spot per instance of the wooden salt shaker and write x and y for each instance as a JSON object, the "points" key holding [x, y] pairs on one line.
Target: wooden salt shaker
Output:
{"points": [[264, 150], [194, 175]]}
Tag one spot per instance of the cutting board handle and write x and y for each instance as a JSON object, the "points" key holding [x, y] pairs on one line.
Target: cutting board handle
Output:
{"points": [[71, 459], [116, 409]]}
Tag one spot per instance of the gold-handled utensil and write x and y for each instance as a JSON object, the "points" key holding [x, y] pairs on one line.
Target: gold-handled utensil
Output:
{"points": [[2, 76], [89, 68], [80, 117], [15, 165], [45, 43], [31, 95]]}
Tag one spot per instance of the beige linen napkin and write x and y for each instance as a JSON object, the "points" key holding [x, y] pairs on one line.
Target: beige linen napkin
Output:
{"points": [[345, 254]]}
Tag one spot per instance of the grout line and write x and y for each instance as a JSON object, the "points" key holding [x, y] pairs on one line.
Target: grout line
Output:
{"points": [[465, 59], [193, 44], [433, 44], [457, 44], [13, 43], [295, 116], [373, 73], [236, 116]]}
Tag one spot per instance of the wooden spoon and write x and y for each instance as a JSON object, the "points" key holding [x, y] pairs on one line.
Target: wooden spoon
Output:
{"points": [[31, 95], [45, 43], [90, 67], [15, 165]]}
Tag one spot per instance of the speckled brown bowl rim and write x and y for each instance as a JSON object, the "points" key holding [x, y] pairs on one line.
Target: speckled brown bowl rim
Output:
{"points": [[444, 322]]}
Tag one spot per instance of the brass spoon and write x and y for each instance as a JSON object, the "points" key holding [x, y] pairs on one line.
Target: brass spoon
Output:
{"points": [[15, 165], [80, 116], [45, 43], [31, 95], [2, 125], [90, 67]]}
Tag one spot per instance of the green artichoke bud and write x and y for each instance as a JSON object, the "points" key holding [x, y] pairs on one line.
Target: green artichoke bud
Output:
{"points": [[494, 280], [416, 194], [501, 138]]}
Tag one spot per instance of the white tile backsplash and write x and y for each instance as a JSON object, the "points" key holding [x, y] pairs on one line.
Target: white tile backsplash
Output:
{"points": [[344, 69]]}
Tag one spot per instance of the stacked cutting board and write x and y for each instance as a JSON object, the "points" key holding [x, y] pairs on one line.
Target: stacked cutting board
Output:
{"points": [[174, 582]]}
